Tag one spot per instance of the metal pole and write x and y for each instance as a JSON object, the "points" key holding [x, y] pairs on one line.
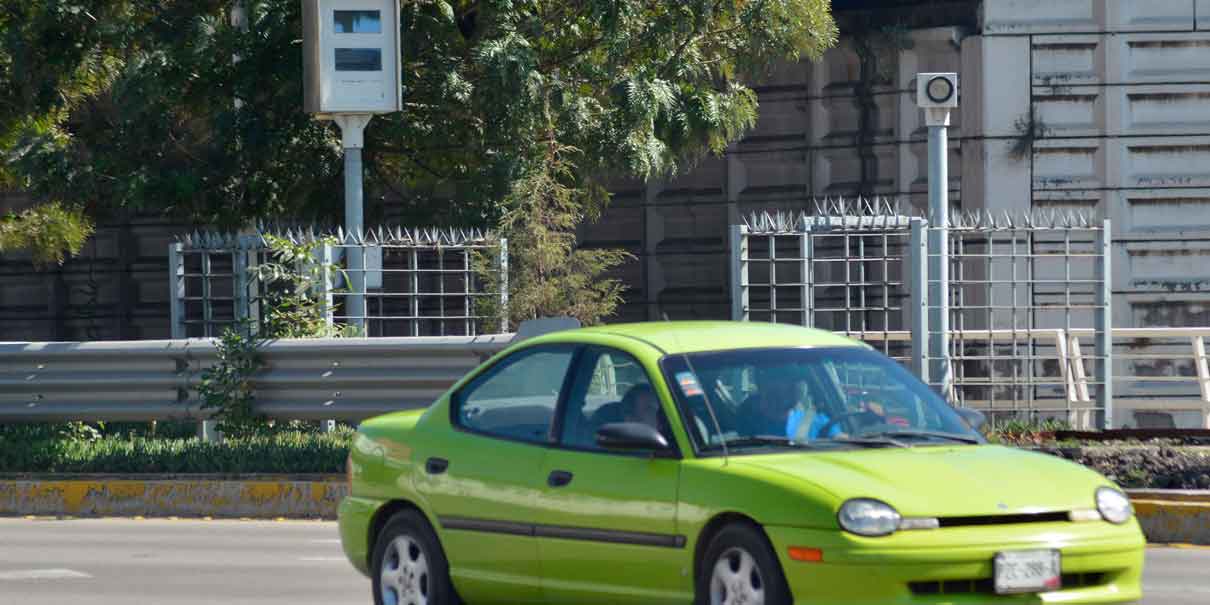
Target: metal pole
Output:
{"points": [[355, 302], [938, 270], [352, 130], [739, 273], [176, 289], [1104, 319]]}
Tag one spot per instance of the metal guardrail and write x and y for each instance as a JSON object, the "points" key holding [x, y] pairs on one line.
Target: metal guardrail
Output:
{"points": [[1164, 370], [321, 379]]}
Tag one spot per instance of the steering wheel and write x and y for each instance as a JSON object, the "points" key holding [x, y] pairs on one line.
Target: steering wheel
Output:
{"points": [[846, 420]]}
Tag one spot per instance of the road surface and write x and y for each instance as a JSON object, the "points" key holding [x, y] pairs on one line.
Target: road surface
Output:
{"points": [[179, 562]]}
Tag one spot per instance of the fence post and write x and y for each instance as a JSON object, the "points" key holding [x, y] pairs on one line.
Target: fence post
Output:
{"points": [[176, 289], [1104, 319], [808, 290], [918, 284], [503, 285], [326, 259], [739, 273]]}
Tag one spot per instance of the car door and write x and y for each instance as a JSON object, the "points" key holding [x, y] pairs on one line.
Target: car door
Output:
{"points": [[607, 532], [484, 479]]}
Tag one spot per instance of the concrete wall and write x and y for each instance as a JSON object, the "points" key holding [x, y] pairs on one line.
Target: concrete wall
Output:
{"points": [[1098, 105]]}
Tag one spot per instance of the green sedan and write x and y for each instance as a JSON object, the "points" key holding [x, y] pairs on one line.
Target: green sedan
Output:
{"points": [[719, 463]]}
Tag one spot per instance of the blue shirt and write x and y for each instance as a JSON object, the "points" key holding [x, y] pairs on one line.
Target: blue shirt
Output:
{"points": [[813, 432]]}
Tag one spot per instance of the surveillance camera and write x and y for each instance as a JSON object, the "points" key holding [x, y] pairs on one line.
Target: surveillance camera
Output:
{"points": [[937, 91]]}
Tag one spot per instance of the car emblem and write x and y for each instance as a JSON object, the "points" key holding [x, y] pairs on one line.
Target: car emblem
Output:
{"points": [[1002, 506]]}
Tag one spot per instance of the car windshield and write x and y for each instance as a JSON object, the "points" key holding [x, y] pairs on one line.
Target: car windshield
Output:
{"points": [[807, 397]]}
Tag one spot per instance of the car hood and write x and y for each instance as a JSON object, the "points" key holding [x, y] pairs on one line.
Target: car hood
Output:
{"points": [[943, 481]]}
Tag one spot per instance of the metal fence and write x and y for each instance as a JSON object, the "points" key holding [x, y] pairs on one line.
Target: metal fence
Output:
{"points": [[306, 379], [418, 282], [861, 268]]}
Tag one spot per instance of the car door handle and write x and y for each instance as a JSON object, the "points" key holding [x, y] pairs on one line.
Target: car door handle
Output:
{"points": [[558, 478], [436, 466]]}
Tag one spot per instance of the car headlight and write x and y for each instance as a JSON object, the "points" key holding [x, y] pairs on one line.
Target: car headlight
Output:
{"points": [[1113, 505], [866, 517]]}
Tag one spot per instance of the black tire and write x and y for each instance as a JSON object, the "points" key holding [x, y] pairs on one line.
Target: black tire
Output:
{"points": [[433, 580], [738, 538]]}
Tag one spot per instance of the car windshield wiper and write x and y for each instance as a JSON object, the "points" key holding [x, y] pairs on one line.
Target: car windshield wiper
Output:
{"points": [[871, 441], [926, 435], [752, 440]]}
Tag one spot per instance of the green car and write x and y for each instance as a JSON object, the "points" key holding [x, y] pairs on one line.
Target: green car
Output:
{"points": [[720, 463]]}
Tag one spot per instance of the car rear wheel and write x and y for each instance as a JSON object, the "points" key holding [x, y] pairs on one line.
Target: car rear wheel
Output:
{"points": [[409, 566], [739, 568]]}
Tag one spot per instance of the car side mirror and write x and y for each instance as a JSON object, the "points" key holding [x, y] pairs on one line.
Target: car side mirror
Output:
{"points": [[631, 436], [975, 418]]}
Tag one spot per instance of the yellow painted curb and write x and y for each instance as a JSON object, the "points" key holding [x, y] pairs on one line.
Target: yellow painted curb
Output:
{"points": [[1174, 521], [181, 497]]}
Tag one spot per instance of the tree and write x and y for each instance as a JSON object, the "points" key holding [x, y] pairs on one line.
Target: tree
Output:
{"points": [[128, 105]]}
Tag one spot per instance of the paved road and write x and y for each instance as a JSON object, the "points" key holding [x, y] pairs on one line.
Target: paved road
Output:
{"points": [[163, 562]]}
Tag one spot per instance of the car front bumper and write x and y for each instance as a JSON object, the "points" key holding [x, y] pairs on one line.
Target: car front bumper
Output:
{"points": [[1101, 563]]}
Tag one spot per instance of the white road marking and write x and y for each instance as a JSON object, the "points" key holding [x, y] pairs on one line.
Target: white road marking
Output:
{"points": [[325, 559], [42, 574], [332, 541]]}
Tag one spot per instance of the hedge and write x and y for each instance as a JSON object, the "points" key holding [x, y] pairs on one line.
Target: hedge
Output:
{"points": [[289, 452]]}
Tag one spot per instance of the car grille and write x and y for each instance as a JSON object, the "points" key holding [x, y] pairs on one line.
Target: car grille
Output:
{"points": [[1003, 519], [987, 586]]}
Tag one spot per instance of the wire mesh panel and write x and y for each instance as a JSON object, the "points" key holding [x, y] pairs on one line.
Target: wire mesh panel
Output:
{"points": [[418, 282], [840, 272], [1018, 287], [1019, 290]]}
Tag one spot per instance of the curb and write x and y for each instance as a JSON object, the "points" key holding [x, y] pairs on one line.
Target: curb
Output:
{"points": [[1173, 516], [1166, 516], [261, 498]]}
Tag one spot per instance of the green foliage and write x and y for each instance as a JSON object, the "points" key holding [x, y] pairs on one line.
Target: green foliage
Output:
{"points": [[282, 452], [1023, 432], [226, 387], [48, 232], [294, 281], [548, 277], [293, 309], [132, 105]]}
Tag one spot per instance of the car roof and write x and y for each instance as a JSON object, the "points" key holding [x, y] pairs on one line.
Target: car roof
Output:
{"points": [[696, 336]]}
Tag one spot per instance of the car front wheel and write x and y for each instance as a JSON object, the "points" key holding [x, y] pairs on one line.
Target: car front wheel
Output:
{"points": [[739, 568], [409, 566]]}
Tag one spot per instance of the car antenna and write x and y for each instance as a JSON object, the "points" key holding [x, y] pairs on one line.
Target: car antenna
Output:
{"points": [[706, 397]]}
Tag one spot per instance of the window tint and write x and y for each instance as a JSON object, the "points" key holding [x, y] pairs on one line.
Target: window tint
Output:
{"points": [[516, 398], [610, 386]]}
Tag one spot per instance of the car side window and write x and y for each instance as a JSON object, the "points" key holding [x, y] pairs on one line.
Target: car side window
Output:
{"points": [[610, 386], [516, 398]]}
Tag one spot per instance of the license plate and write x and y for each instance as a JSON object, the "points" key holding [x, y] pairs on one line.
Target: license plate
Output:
{"points": [[1027, 571]]}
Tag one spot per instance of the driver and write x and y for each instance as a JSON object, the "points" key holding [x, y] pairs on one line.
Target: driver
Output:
{"points": [[766, 412]]}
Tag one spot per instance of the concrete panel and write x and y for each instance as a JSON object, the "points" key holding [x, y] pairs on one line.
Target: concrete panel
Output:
{"points": [[841, 171], [1068, 164], [1166, 162], [1167, 266], [783, 118], [1070, 115], [1166, 58], [1177, 109], [1005, 93], [1151, 15], [1067, 60], [1144, 213], [775, 174], [1017, 17]]}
